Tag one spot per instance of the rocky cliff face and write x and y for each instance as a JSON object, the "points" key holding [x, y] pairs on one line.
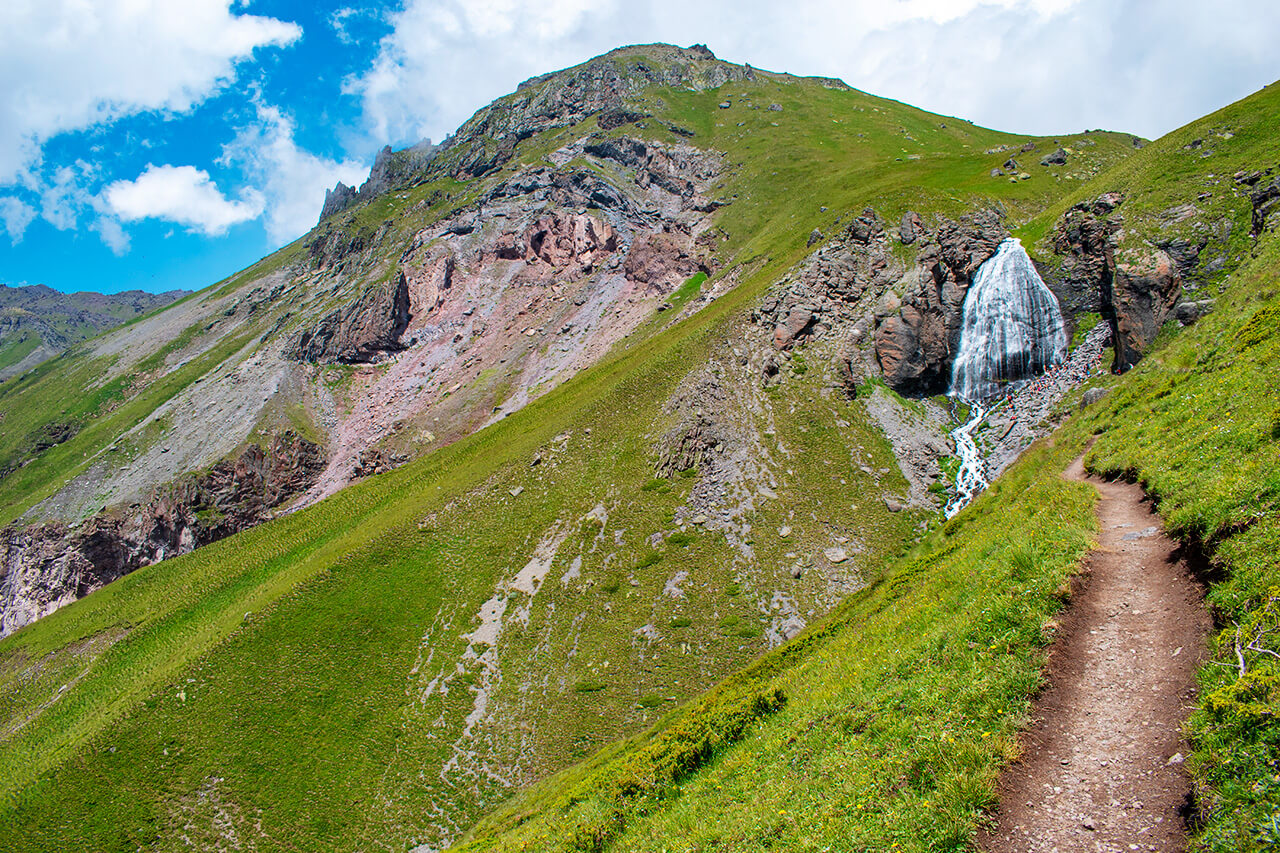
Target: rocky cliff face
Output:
{"points": [[1135, 293], [918, 322], [604, 87], [362, 330], [1144, 290], [390, 169], [46, 566]]}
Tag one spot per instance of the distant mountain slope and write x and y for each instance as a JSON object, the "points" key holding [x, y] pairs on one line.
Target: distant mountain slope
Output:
{"points": [[37, 322]]}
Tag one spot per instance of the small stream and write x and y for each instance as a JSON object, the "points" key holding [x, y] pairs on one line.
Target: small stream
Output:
{"points": [[972, 476]]}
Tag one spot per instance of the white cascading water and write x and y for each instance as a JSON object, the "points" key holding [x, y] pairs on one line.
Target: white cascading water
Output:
{"points": [[1012, 330]]}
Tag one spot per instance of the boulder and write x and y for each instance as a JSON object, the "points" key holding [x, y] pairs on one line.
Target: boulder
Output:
{"points": [[1057, 158], [794, 326], [910, 228], [1187, 313], [1092, 396]]}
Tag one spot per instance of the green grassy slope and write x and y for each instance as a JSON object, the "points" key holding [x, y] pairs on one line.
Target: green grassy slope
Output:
{"points": [[860, 755], [881, 729], [281, 682], [1182, 185]]}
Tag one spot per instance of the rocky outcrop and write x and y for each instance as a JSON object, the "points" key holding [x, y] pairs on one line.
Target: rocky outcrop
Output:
{"points": [[428, 280], [678, 169], [560, 240], [1266, 206], [1057, 158], [910, 228], [825, 290], [360, 331], [46, 566], [338, 199], [1084, 241], [663, 261], [1134, 294], [1145, 289], [607, 85], [918, 322], [390, 169]]}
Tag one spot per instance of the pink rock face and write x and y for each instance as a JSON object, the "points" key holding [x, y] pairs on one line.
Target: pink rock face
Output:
{"points": [[428, 281], [789, 331], [1143, 292], [660, 261], [560, 240]]}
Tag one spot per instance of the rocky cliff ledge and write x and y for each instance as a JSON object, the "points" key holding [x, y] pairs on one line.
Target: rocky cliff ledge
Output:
{"points": [[46, 566]]}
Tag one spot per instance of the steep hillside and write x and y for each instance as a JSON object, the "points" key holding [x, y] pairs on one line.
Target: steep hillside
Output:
{"points": [[441, 300], [884, 728], [37, 322], [640, 396]]}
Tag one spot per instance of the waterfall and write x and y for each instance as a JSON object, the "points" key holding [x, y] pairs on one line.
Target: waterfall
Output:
{"points": [[1012, 330], [1012, 327]]}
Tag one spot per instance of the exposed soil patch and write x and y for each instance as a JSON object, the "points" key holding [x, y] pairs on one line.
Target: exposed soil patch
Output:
{"points": [[1102, 768]]}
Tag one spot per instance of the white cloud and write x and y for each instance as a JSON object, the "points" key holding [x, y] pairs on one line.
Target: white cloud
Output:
{"points": [[70, 64], [15, 215], [112, 234], [181, 194], [293, 179], [1038, 66]]}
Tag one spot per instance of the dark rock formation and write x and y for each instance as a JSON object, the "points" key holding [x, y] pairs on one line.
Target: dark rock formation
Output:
{"points": [[1144, 291], [45, 566], [1266, 207], [390, 169], [1057, 158], [606, 85], [918, 328], [1084, 241], [1135, 295], [360, 331], [678, 169], [910, 228], [338, 199]]}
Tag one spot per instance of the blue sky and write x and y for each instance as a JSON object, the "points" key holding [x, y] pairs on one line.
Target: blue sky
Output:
{"points": [[155, 145]]}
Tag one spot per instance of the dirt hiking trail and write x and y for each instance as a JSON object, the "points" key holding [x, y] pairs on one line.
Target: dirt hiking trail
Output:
{"points": [[1102, 766]]}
